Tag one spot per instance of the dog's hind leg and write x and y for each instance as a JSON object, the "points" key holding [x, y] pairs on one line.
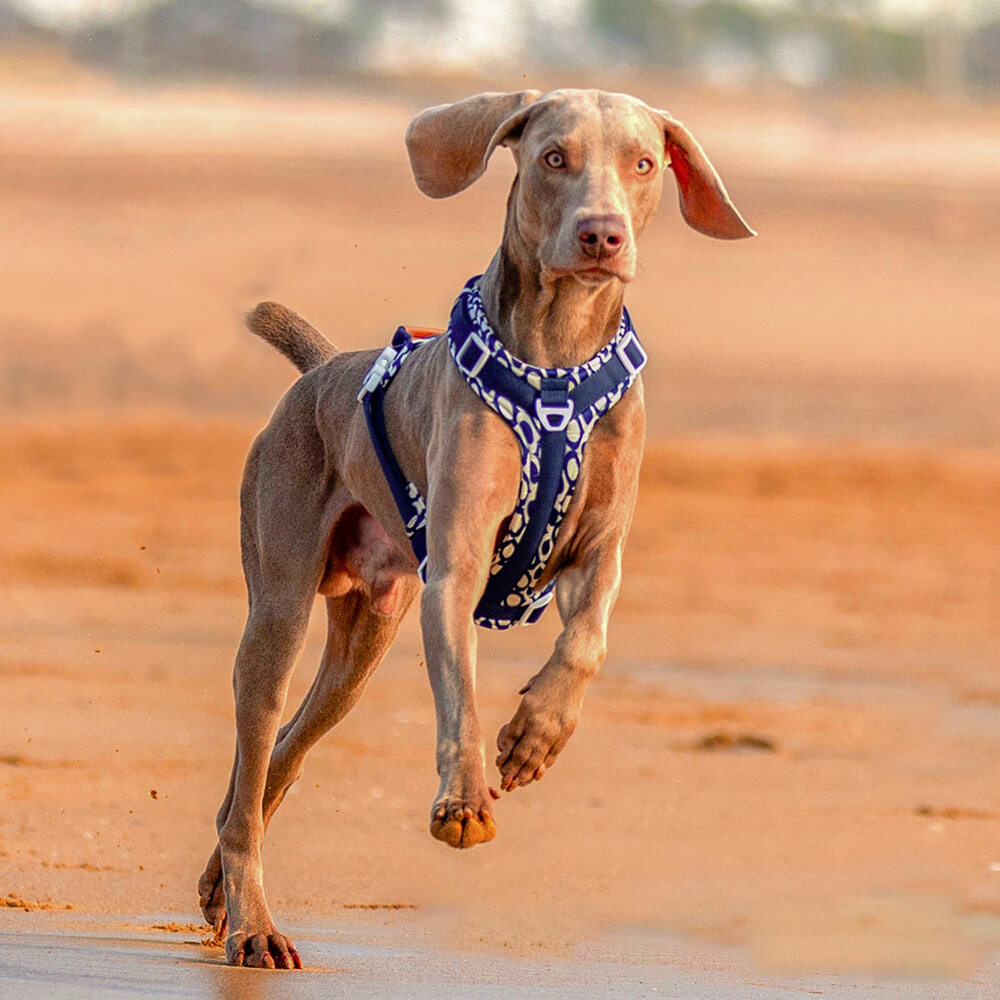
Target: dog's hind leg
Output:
{"points": [[284, 536], [211, 896], [267, 654], [357, 640]]}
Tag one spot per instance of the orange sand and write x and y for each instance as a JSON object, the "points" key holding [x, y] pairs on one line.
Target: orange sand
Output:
{"points": [[795, 745]]}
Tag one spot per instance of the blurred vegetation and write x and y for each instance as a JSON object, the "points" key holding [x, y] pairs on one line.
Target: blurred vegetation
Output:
{"points": [[805, 43]]}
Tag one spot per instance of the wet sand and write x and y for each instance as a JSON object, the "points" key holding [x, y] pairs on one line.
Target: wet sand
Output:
{"points": [[789, 766], [86, 959]]}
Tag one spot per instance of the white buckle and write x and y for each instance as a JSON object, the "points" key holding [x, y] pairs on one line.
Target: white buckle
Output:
{"points": [[554, 416], [626, 342], [484, 353], [541, 602], [377, 371]]}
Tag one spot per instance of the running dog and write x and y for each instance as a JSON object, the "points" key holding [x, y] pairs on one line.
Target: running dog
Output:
{"points": [[496, 463]]}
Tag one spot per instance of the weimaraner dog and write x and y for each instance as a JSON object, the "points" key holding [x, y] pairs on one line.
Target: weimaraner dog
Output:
{"points": [[319, 514]]}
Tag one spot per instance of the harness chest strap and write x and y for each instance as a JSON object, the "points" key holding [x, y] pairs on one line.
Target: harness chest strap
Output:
{"points": [[551, 413]]}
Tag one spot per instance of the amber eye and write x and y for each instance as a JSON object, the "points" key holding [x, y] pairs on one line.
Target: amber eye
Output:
{"points": [[644, 166], [554, 159]]}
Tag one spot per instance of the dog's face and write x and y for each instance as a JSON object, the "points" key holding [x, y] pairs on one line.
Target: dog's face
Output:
{"points": [[590, 176], [590, 173]]}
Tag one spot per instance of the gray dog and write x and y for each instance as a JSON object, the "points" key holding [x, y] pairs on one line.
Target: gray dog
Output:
{"points": [[374, 474]]}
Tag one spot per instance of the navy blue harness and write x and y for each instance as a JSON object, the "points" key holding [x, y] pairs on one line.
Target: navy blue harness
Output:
{"points": [[551, 412]]}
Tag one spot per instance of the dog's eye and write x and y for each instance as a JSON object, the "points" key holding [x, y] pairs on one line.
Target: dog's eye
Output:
{"points": [[554, 159], [644, 166]]}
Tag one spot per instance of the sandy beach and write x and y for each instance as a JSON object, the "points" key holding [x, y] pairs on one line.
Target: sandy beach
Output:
{"points": [[378, 958], [786, 777]]}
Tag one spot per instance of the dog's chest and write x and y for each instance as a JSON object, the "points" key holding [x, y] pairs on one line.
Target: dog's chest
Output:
{"points": [[552, 415]]}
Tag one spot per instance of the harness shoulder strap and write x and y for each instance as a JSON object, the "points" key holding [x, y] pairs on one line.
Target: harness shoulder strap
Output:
{"points": [[551, 413], [540, 406]]}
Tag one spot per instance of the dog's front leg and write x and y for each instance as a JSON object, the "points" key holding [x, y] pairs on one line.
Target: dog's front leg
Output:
{"points": [[464, 511], [462, 814], [552, 699]]}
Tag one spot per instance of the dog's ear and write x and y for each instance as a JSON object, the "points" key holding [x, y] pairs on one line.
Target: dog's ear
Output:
{"points": [[451, 144], [705, 204]]}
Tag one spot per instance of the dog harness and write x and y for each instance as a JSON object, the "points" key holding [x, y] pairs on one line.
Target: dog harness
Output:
{"points": [[551, 412]]}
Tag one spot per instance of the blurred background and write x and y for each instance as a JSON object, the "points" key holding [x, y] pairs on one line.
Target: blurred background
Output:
{"points": [[167, 163], [815, 559], [945, 46]]}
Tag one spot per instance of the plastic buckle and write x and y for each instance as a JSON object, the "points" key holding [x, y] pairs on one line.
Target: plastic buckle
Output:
{"points": [[539, 605], [630, 340], [472, 370], [377, 371], [554, 416], [553, 407]]}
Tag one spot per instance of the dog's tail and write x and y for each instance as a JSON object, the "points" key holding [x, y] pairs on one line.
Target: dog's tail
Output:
{"points": [[298, 340]]}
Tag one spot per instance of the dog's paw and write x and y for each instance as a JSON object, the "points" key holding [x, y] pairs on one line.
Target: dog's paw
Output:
{"points": [[531, 741], [262, 951], [461, 822]]}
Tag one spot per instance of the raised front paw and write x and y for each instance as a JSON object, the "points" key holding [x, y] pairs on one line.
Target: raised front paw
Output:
{"points": [[269, 950], [531, 741]]}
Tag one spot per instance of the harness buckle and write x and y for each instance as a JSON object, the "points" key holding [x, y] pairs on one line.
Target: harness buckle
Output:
{"points": [[535, 608], [630, 342], [472, 369], [377, 371], [554, 416], [553, 406]]}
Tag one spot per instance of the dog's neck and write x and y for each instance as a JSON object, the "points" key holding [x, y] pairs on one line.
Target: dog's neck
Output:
{"points": [[549, 322]]}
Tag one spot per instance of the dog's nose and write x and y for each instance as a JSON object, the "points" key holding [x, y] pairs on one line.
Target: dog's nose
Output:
{"points": [[602, 235]]}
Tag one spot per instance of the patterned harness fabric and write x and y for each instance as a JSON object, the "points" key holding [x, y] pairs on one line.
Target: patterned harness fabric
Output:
{"points": [[551, 412]]}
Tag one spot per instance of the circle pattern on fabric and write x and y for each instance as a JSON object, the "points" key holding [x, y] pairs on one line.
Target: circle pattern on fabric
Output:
{"points": [[529, 433]]}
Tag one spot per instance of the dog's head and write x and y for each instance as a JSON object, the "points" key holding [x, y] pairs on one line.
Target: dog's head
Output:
{"points": [[590, 173]]}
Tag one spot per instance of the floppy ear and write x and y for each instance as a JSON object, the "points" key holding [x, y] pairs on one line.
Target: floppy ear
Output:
{"points": [[451, 144], [705, 204]]}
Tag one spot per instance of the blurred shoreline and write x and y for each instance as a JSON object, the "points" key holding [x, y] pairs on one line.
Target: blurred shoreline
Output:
{"points": [[890, 137], [144, 222]]}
